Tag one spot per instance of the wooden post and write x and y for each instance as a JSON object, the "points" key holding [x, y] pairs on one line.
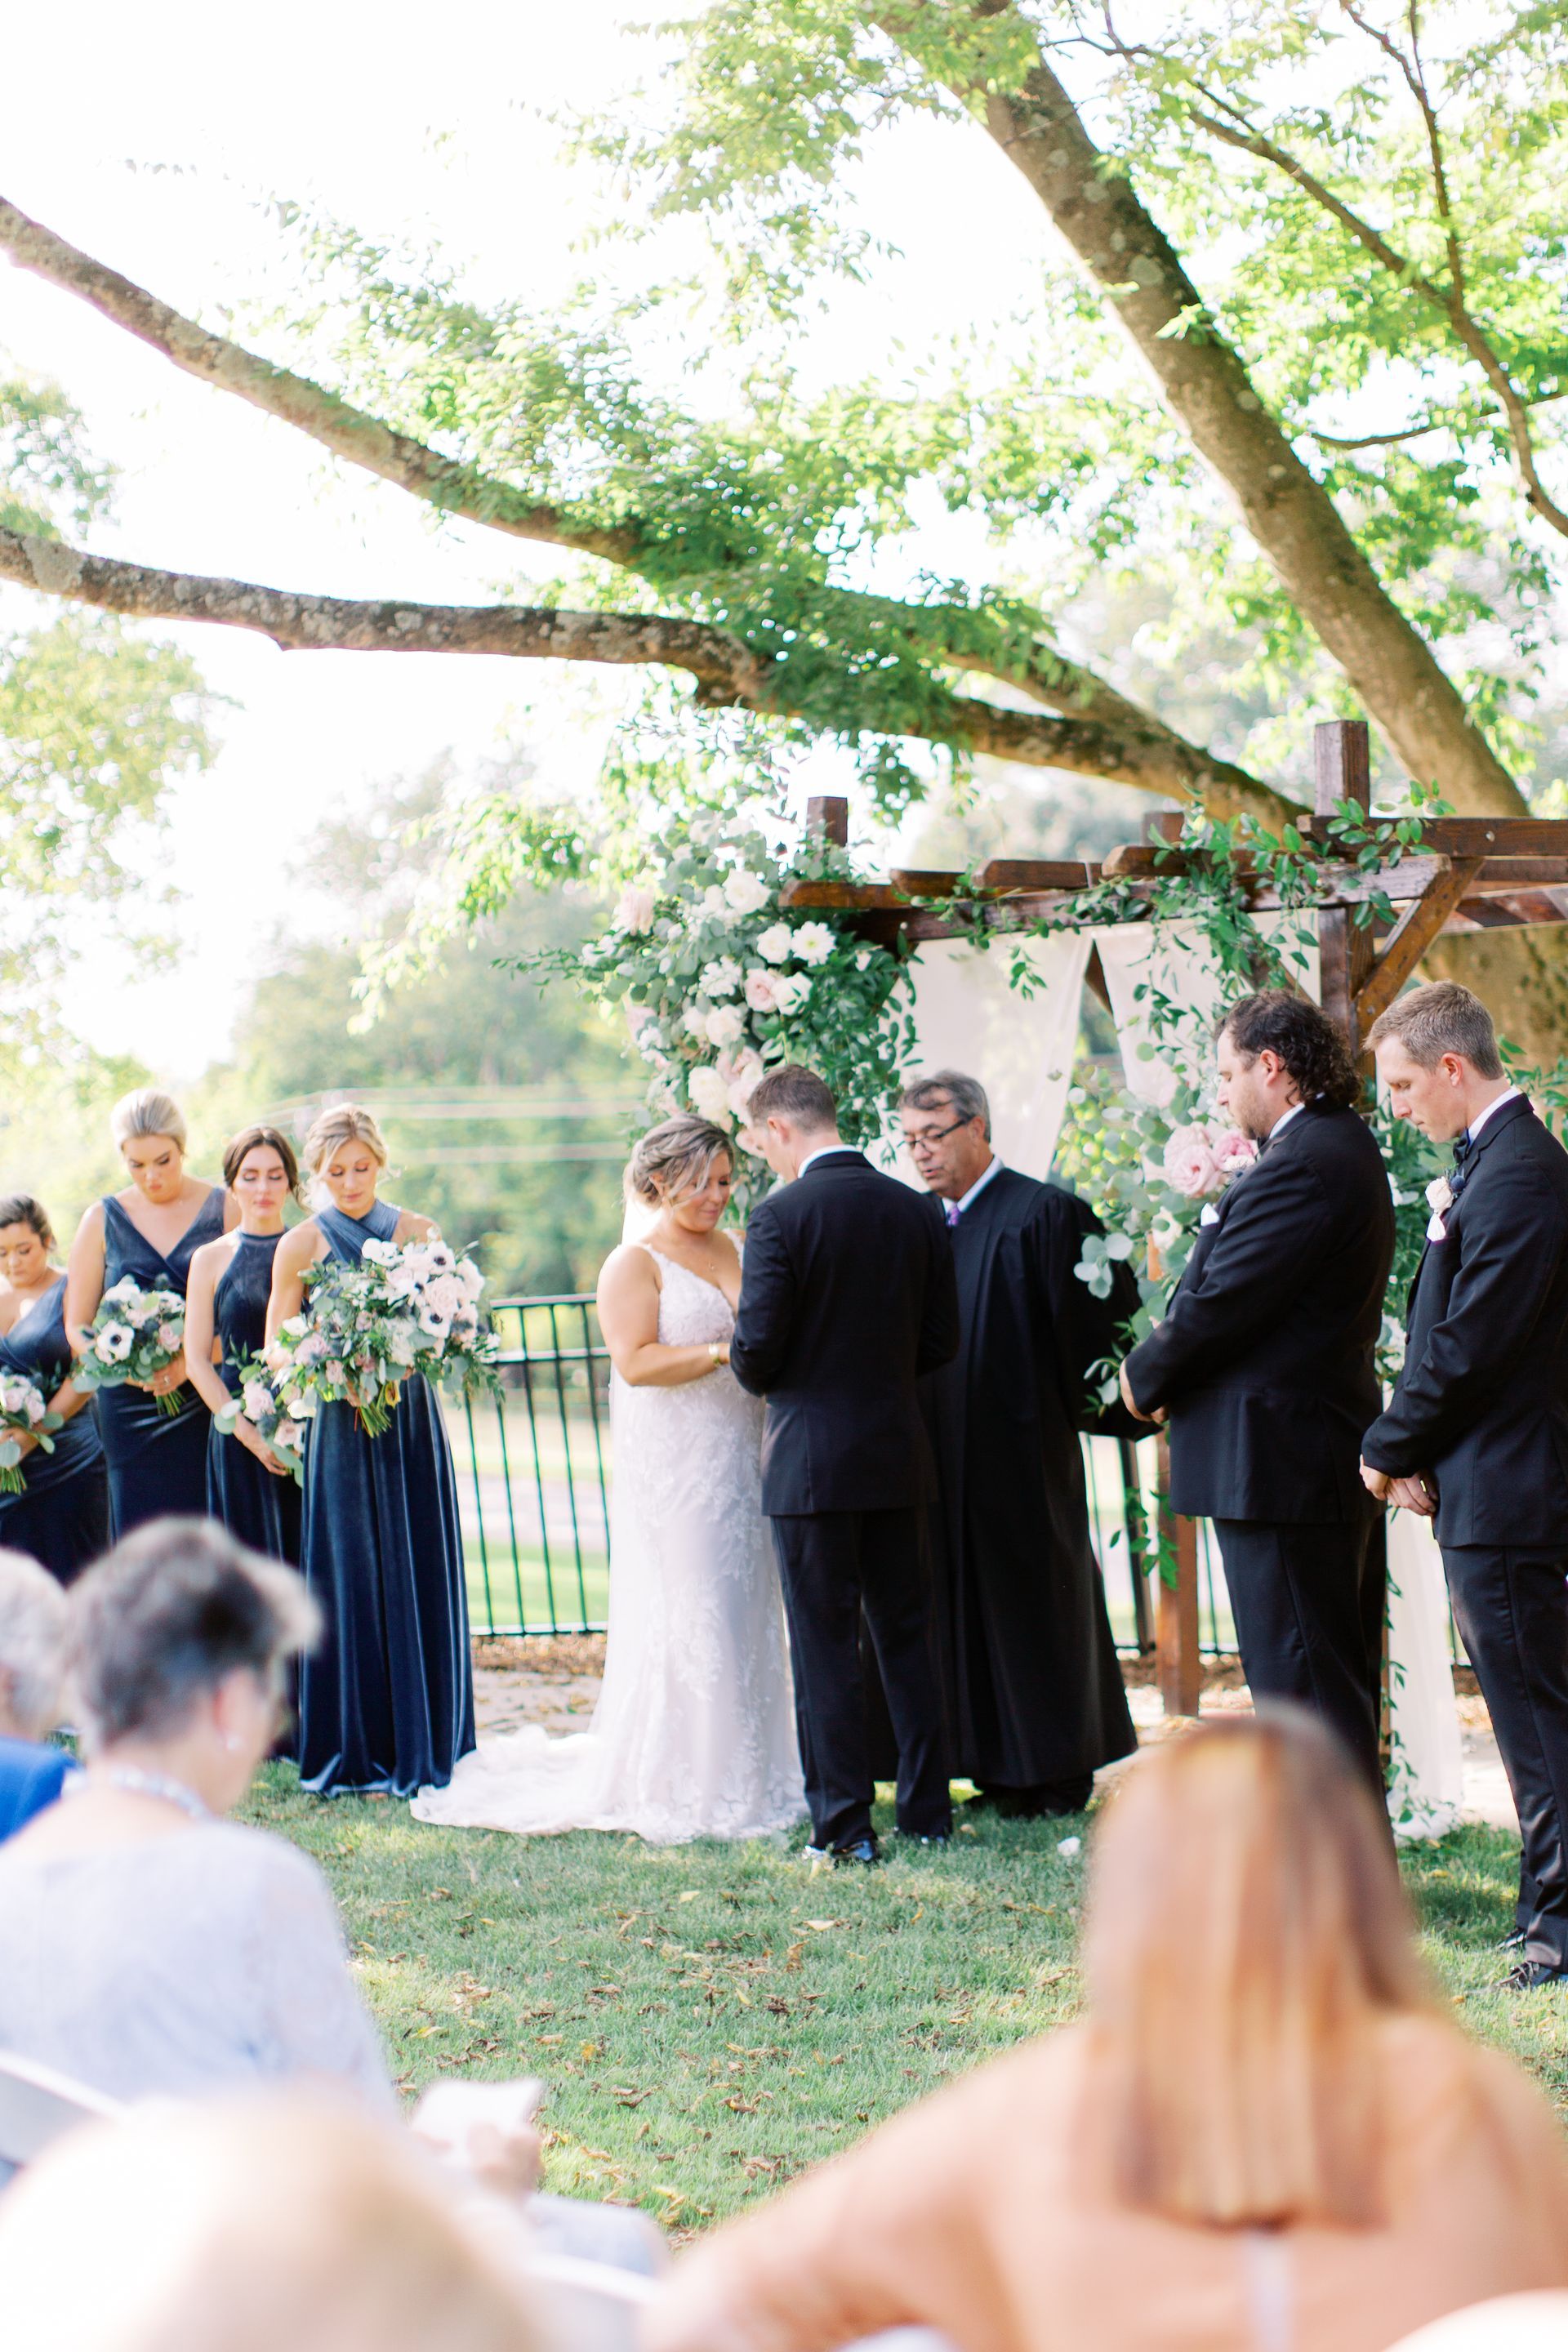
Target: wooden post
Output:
{"points": [[1342, 761], [1176, 1647], [828, 818]]}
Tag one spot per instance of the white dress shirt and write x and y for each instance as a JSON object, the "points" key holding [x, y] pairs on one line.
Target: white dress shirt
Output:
{"points": [[1509, 1094], [813, 1157]]}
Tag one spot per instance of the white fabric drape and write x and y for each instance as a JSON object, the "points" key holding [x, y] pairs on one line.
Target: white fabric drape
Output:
{"points": [[1427, 1780], [969, 1017], [1173, 960]]}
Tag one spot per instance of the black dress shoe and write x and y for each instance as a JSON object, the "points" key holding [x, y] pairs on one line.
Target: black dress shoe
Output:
{"points": [[865, 1851], [1529, 1976], [1514, 1942], [928, 1837]]}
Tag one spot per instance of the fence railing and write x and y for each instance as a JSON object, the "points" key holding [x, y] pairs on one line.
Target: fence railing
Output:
{"points": [[536, 1462]]}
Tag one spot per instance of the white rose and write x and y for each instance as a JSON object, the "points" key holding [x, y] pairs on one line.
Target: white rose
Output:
{"points": [[719, 978], [776, 944], [694, 1021], [714, 903], [709, 1093], [790, 991], [745, 892], [814, 942], [726, 1025]]}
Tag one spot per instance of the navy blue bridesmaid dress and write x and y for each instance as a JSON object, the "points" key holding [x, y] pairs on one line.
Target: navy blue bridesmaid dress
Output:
{"points": [[386, 1699], [157, 1460], [257, 1507], [62, 1518]]}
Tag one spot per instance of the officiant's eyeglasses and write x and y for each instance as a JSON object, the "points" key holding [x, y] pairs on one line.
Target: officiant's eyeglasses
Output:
{"points": [[935, 1134]]}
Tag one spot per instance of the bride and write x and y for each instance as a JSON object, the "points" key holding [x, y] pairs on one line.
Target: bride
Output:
{"points": [[694, 1733]]}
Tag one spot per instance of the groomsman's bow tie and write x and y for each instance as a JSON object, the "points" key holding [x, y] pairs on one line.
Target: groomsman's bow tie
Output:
{"points": [[1463, 1147], [951, 1210]]}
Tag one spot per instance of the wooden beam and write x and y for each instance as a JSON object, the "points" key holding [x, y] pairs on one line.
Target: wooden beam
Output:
{"points": [[1176, 1638], [827, 816], [917, 882], [1524, 908], [1410, 938], [1479, 836], [1341, 765], [1037, 873], [1340, 762]]}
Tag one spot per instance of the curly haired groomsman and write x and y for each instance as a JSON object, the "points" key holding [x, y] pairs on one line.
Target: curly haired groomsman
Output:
{"points": [[1265, 1364], [1478, 1430]]}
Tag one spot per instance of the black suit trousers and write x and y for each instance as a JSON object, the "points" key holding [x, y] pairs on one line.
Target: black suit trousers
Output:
{"points": [[831, 1563], [1307, 1599], [1510, 1605]]}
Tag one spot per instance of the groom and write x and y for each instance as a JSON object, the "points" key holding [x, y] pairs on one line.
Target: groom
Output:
{"points": [[848, 1299]]}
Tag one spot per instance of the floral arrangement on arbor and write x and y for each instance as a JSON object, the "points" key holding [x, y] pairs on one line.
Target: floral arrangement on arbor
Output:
{"points": [[720, 982]]}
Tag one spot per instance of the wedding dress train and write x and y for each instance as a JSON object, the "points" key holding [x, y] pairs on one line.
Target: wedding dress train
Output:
{"points": [[694, 1733]]}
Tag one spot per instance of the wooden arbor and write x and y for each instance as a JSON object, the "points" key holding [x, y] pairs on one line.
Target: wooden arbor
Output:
{"points": [[1472, 874]]}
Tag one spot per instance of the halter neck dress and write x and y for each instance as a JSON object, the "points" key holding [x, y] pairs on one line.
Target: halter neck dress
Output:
{"points": [[62, 1516], [157, 1460], [256, 1506], [386, 1698]]}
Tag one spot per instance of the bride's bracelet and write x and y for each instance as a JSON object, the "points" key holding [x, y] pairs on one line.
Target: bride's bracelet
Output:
{"points": [[715, 1353]]}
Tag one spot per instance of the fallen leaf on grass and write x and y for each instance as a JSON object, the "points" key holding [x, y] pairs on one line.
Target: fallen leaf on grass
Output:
{"points": [[628, 2097], [690, 1895], [821, 1927]]}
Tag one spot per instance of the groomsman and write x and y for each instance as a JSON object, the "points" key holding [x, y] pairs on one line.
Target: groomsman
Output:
{"points": [[1036, 1702], [1264, 1365], [1478, 1430]]}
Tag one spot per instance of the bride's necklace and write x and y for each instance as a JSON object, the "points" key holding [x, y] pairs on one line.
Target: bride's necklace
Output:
{"points": [[137, 1783]]}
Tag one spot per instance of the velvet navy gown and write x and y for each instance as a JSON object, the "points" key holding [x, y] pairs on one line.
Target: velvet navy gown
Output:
{"points": [[157, 1460], [386, 1698], [257, 1507], [62, 1518]]}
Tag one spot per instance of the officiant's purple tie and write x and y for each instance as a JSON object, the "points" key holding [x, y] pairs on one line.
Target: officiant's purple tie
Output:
{"points": [[954, 1212]]}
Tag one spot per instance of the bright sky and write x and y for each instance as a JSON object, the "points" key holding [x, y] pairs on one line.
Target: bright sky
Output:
{"points": [[178, 119]]}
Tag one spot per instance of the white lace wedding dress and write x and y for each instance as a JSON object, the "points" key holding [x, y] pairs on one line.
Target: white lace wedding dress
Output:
{"points": [[694, 1733]]}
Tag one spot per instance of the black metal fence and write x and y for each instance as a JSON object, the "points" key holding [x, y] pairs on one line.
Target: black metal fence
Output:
{"points": [[536, 1463]]}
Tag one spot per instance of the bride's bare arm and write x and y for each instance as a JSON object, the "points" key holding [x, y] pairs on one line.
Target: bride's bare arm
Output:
{"points": [[629, 1317]]}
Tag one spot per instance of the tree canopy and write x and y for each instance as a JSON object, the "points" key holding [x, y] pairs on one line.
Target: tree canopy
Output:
{"points": [[1327, 237]]}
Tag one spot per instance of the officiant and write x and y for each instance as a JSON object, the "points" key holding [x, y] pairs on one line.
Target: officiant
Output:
{"points": [[1034, 1691]]}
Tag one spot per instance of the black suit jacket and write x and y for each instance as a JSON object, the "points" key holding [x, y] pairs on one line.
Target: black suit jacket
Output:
{"points": [[848, 1299], [1483, 1403], [1266, 1357]]}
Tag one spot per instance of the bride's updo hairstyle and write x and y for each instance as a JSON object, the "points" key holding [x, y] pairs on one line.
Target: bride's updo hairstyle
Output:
{"points": [[147, 1111], [342, 1123], [675, 1159]]}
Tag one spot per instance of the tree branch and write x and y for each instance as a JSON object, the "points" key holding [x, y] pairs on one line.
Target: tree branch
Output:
{"points": [[728, 673], [465, 490]]}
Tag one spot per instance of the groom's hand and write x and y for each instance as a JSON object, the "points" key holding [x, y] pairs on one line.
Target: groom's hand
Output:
{"points": [[1376, 1482], [1414, 1494], [1131, 1401]]}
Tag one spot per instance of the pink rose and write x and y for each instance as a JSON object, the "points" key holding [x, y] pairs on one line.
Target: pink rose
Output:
{"points": [[1190, 1167], [762, 992], [634, 908], [169, 1337], [1234, 1151]]}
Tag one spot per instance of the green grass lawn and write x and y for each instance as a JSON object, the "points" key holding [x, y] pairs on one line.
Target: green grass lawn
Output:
{"points": [[709, 2018]]}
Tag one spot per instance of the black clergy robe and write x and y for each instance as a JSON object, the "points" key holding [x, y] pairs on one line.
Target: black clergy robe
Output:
{"points": [[1034, 1691]]}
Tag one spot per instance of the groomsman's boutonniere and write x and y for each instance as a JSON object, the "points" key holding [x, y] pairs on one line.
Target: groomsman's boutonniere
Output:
{"points": [[1439, 1200]]}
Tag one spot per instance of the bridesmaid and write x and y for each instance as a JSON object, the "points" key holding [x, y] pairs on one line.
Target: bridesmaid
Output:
{"points": [[231, 1280], [386, 1700], [62, 1518], [149, 1231]]}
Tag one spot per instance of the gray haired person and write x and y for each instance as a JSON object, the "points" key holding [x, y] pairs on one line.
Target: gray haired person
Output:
{"points": [[33, 1621], [1035, 1696]]}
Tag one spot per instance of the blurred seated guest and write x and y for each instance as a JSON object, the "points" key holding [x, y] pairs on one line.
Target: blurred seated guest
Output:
{"points": [[32, 1619], [1034, 1691], [251, 2225], [61, 1516], [146, 1944], [1264, 2131]]}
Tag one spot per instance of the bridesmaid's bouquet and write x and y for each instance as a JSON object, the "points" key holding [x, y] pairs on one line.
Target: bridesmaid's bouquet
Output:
{"points": [[135, 1334], [404, 1309], [24, 1412], [276, 1408]]}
